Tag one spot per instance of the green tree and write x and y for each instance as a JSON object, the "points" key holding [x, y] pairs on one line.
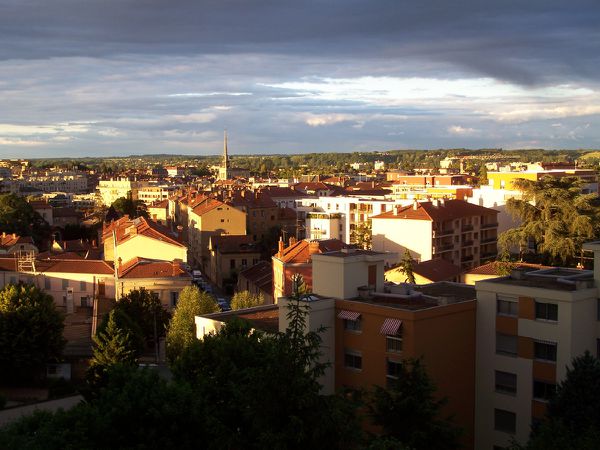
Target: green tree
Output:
{"points": [[192, 302], [573, 416], [362, 235], [31, 332], [18, 216], [244, 299], [409, 412], [483, 177], [112, 346], [144, 309], [130, 207], [407, 267], [555, 215]]}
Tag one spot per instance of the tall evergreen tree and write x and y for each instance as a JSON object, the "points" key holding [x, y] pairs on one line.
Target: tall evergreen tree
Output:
{"points": [[407, 267], [555, 215]]}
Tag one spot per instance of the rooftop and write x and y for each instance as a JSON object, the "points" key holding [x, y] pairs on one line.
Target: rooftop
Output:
{"points": [[437, 211], [554, 278], [265, 318]]}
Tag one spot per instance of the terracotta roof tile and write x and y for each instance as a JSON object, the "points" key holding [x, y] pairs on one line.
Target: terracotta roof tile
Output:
{"points": [[299, 251], [449, 210], [147, 268]]}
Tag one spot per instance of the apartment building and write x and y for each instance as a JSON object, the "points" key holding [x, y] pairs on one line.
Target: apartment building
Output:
{"points": [[112, 189], [456, 231], [208, 217], [229, 255], [529, 327], [153, 194], [504, 180], [71, 182]]}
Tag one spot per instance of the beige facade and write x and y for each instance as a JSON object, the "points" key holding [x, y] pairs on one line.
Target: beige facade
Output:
{"points": [[399, 235], [211, 218], [145, 247], [529, 327]]}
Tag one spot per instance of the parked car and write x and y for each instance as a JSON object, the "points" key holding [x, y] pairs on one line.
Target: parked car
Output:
{"points": [[223, 304]]}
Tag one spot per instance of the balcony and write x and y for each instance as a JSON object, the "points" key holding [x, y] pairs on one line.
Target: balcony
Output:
{"points": [[466, 228], [488, 240], [440, 233], [489, 255], [489, 225], [443, 248], [467, 243], [466, 258]]}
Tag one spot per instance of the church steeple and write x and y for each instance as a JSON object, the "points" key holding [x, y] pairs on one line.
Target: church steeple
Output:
{"points": [[225, 159]]}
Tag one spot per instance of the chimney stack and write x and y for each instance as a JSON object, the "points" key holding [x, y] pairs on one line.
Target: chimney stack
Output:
{"points": [[415, 205], [281, 246], [313, 247], [176, 265]]}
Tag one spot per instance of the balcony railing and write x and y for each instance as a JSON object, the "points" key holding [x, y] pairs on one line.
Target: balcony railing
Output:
{"points": [[489, 225], [466, 258], [465, 228], [443, 248], [467, 243], [487, 240], [440, 233]]}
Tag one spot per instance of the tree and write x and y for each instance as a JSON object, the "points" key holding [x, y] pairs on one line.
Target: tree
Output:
{"points": [[144, 309], [112, 346], [18, 216], [573, 416], [362, 235], [409, 412], [483, 177], [130, 207], [31, 332], [244, 299], [407, 267], [192, 302], [274, 377], [555, 215]]}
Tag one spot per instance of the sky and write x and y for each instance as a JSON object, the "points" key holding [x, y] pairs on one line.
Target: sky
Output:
{"points": [[120, 77]]}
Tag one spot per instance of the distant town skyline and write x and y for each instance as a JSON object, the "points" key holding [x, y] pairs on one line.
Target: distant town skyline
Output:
{"points": [[112, 78]]}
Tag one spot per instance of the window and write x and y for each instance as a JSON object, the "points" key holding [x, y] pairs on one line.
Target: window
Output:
{"points": [[65, 283], [544, 350], [244, 262], [174, 298], [232, 263], [506, 344], [47, 283], [393, 370], [352, 325], [353, 360], [506, 382], [507, 306], [393, 344], [546, 311], [505, 421], [222, 220], [543, 391], [82, 286]]}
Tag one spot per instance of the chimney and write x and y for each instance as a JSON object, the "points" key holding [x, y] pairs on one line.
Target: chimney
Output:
{"points": [[292, 240], [395, 209], [281, 247], [176, 265], [14, 235], [415, 205], [3, 234], [313, 247]]}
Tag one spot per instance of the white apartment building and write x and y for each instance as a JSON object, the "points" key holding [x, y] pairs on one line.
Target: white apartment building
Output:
{"points": [[71, 182], [529, 327], [351, 210], [324, 226], [151, 194], [112, 189]]}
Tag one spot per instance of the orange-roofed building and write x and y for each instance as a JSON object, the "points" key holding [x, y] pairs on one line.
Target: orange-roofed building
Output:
{"points": [[141, 238], [297, 258], [454, 230], [11, 243]]}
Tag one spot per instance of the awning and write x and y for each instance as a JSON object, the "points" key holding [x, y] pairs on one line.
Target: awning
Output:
{"points": [[348, 315], [390, 327]]}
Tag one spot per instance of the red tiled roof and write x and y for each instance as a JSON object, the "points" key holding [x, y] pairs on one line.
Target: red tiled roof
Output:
{"points": [[493, 268], [144, 227], [437, 270], [163, 204], [449, 210], [278, 191], [298, 252], [80, 266], [261, 275], [8, 240], [147, 268], [205, 205]]}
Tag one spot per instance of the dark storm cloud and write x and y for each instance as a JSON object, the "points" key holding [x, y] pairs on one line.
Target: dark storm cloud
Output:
{"points": [[522, 41]]}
